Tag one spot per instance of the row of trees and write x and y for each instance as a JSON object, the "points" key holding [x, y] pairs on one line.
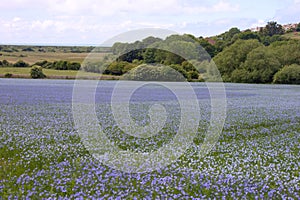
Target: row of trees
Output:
{"points": [[19, 63], [241, 56], [249, 61], [58, 65], [175, 51]]}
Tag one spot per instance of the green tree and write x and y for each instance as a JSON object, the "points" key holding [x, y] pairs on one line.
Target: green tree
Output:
{"points": [[73, 66], [150, 40], [273, 28], [289, 74], [268, 40], [298, 28], [20, 63], [149, 56], [193, 75], [148, 72], [119, 68], [5, 63], [233, 56], [240, 76], [287, 52], [209, 48], [37, 72], [261, 65], [246, 35]]}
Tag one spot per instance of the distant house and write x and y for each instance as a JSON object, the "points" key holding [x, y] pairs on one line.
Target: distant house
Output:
{"points": [[286, 27], [210, 41], [256, 29], [289, 26]]}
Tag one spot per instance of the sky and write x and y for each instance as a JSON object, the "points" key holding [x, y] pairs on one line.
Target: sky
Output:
{"points": [[92, 22]]}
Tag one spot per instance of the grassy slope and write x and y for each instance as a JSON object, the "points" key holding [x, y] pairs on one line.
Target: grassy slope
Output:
{"points": [[61, 53], [293, 35]]}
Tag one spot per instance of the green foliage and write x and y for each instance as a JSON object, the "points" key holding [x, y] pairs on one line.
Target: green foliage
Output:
{"points": [[267, 40], [232, 57], [272, 28], [209, 48], [28, 49], [7, 75], [226, 39], [288, 75], [59, 65], [287, 52], [241, 56], [247, 35], [119, 68], [261, 65], [148, 72], [37, 72], [150, 55], [193, 75], [298, 28], [21, 63], [180, 69], [240, 76]]}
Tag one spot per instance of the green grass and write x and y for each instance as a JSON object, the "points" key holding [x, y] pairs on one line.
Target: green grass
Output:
{"points": [[33, 57], [49, 72], [293, 35], [14, 70]]}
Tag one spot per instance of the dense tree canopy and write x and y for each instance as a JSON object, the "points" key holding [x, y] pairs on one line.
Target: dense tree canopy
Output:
{"points": [[231, 57], [272, 28], [261, 65], [241, 56], [290, 74]]}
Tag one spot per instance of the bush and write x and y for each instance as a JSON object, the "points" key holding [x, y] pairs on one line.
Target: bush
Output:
{"points": [[5, 63], [21, 63], [37, 72], [61, 65], [193, 75], [8, 75], [148, 72], [288, 75], [27, 49]]}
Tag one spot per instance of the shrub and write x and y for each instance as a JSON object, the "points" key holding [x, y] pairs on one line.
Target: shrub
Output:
{"points": [[27, 49], [37, 72], [21, 63], [8, 75], [288, 75], [5, 63], [193, 75], [148, 72]]}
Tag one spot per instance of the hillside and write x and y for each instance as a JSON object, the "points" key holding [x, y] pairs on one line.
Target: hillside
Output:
{"points": [[250, 56]]}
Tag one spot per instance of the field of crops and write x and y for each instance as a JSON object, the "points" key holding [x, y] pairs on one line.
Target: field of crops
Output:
{"points": [[42, 154]]}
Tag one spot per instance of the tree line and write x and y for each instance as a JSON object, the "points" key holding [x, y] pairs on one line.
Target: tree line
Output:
{"points": [[265, 56], [57, 65]]}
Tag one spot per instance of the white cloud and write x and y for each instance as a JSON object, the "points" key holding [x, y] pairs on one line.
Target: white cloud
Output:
{"points": [[117, 7], [223, 6]]}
